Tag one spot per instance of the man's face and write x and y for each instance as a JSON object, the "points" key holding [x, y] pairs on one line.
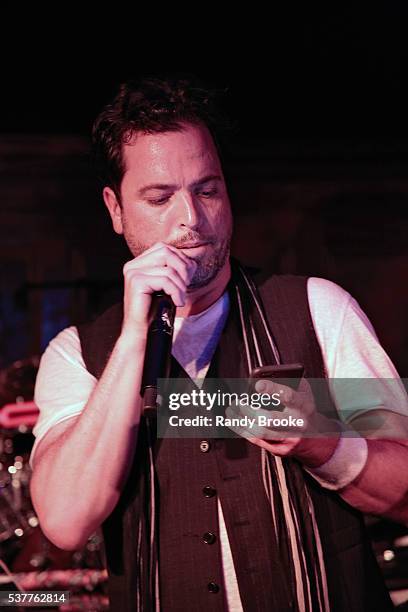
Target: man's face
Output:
{"points": [[173, 191]]}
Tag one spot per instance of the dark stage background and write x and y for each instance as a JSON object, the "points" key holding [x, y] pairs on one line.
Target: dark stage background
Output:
{"points": [[317, 169]]}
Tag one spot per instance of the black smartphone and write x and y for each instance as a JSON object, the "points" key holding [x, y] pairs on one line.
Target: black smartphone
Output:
{"points": [[289, 374]]}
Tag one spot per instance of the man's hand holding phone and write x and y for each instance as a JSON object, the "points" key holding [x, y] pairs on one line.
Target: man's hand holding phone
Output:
{"points": [[295, 428]]}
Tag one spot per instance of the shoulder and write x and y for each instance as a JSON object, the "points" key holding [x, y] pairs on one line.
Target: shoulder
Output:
{"points": [[66, 344], [346, 335], [62, 376], [62, 357], [63, 383], [326, 298], [335, 309]]}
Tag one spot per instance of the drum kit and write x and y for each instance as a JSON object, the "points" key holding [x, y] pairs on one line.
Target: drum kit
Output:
{"points": [[28, 560]]}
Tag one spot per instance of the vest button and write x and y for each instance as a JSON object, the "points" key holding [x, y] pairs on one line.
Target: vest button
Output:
{"points": [[213, 587], [209, 537], [204, 446], [209, 491]]}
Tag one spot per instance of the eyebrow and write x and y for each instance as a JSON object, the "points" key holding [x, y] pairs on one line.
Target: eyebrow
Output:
{"points": [[165, 187]]}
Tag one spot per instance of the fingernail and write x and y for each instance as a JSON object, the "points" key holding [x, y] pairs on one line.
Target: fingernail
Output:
{"points": [[260, 385]]}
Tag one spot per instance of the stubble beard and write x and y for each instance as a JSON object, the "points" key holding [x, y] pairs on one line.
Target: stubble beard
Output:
{"points": [[210, 264]]}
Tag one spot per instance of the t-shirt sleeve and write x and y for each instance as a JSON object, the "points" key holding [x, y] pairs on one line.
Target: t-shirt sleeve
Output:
{"points": [[361, 375], [63, 384]]}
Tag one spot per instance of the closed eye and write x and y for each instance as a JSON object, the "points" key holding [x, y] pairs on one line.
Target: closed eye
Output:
{"points": [[159, 201], [207, 193]]}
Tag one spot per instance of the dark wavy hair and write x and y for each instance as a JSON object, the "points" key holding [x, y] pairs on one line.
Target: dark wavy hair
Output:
{"points": [[152, 105]]}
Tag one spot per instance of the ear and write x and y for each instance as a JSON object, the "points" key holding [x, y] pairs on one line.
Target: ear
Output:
{"points": [[114, 209]]}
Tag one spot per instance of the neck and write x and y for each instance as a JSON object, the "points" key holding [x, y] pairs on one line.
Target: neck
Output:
{"points": [[202, 298]]}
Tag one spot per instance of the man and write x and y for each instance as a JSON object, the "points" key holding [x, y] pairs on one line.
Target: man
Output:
{"points": [[229, 524]]}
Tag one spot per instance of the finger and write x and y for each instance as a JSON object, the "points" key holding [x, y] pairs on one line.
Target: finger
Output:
{"points": [[162, 255], [287, 395], [265, 385], [281, 449], [252, 427], [288, 422], [167, 271], [148, 284], [169, 249]]}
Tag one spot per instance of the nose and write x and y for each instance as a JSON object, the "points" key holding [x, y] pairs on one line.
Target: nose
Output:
{"points": [[189, 211]]}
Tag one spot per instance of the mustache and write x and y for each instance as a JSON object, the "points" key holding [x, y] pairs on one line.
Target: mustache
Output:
{"points": [[190, 238]]}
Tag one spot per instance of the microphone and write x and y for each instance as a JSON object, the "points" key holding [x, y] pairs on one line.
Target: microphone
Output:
{"points": [[158, 349]]}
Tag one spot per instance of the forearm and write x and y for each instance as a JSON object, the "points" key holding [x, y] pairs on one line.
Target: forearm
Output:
{"points": [[78, 479], [382, 486], [369, 471]]}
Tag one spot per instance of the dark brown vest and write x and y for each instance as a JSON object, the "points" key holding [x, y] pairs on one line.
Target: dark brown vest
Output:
{"points": [[232, 468]]}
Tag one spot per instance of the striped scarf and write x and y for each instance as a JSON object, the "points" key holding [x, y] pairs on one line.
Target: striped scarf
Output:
{"points": [[298, 545]]}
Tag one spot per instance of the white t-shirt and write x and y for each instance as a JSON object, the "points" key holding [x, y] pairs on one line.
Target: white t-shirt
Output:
{"points": [[349, 345]]}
